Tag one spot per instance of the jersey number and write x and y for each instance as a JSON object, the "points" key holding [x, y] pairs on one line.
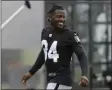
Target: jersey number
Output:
{"points": [[52, 53]]}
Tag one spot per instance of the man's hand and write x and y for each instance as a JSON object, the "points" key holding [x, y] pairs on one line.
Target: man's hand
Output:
{"points": [[25, 78], [84, 81]]}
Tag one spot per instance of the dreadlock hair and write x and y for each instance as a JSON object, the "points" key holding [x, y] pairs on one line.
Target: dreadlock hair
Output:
{"points": [[53, 9]]}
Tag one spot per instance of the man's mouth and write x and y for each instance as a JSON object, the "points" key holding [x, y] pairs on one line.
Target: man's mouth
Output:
{"points": [[60, 24]]}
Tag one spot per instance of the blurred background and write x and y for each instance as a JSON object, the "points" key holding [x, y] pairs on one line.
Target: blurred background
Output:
{"points": [[20, 41]]}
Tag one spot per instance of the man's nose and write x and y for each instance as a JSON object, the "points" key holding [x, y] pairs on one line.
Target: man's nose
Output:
{"points": [[62, 19]]}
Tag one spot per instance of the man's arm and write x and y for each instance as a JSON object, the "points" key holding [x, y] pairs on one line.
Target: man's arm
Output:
{"points": [[40, 59], [79, 51], [38, 64], [81, 55]]}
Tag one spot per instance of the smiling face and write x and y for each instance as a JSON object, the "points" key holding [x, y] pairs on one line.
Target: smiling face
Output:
{"points": [[58, 19]]}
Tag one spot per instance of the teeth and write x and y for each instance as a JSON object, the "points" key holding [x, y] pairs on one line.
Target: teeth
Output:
{"points": [[60, 23]]}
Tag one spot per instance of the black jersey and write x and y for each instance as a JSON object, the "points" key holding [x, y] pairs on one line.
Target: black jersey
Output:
{"points": [[57, 49]]}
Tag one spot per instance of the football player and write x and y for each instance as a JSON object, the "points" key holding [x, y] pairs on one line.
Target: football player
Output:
{"points": [[58, 45]]}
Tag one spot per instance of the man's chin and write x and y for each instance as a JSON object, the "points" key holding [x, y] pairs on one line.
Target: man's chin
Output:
{"points": [[60, 27]]}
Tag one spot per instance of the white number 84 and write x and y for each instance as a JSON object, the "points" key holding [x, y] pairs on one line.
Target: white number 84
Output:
{"points": [[52, 53]]}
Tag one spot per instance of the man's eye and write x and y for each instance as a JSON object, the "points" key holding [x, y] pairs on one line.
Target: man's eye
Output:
{"points": [[58, 16]]}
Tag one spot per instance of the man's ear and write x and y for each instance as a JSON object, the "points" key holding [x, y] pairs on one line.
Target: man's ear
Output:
{"points": [[49, 19]]}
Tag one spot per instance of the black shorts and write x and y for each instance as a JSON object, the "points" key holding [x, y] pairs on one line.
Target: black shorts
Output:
{"points": [[64, 79]]}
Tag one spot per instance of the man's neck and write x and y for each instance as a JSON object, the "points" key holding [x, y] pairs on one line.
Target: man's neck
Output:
{"points": [[56, 28]]}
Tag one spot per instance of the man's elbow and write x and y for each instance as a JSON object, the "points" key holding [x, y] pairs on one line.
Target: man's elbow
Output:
{"points": [[82, 55]]}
